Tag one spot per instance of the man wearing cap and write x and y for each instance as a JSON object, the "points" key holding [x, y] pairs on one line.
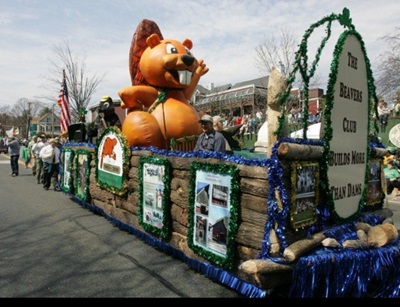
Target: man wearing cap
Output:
{"points": [[50, 154], [41, 143], [210, 140]]}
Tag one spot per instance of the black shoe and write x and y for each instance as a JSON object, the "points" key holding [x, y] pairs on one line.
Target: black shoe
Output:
{"points": [[46, 188], [34, 174], [57, 190]]}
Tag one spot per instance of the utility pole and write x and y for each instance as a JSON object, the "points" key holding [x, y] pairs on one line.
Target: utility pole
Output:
{"points": [[28, 120], [52, 120]]}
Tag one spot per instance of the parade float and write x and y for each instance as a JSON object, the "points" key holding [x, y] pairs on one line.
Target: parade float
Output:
{"points": [[308, 219]]}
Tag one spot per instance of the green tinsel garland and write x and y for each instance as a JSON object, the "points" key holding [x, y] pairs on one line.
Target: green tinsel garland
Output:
{"points": [[301, 66], [82, 195], [165, 231], [68, 187], [125, 164], [233, 171]]}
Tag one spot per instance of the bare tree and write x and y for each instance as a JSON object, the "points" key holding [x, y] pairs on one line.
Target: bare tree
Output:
{"points": [[80, 85], [388, 82], [279, 52], [276, 52]]}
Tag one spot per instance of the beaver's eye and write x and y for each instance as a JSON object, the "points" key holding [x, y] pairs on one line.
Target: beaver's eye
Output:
{"points": [[188, 51], [171, 48]]}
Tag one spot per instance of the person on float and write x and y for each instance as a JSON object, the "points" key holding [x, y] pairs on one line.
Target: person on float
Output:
{"points": [[392, 177], [210, 139]]}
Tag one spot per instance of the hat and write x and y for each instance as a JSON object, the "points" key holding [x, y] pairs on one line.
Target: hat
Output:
{"points": [[43, 136], [206, 118], [52, 141], [217, 119]]}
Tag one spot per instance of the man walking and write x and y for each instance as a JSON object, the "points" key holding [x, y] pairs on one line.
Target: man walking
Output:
{"points": [[13, 151]]}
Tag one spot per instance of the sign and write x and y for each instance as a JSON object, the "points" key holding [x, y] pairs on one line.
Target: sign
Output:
{"points": [[394, 135], [111, 156], [349, 122]]}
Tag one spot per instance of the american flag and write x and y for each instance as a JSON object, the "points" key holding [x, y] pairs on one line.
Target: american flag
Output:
{"points": [[63, 102]]}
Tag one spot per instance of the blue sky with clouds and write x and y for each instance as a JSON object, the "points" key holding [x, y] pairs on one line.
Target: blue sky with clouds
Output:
{"points": [[225, 34]]}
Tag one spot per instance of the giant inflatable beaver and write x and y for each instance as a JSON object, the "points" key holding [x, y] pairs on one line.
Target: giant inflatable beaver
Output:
{"points": [[158, 101]]}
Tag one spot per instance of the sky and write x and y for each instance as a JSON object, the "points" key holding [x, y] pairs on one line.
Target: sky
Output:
{"points": [[225, 33]]}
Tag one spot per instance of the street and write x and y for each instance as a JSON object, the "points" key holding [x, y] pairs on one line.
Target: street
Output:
{"points": [[53, 247]]}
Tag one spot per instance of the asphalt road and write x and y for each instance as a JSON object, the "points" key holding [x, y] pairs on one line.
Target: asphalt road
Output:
{"points": [[50, 246]]}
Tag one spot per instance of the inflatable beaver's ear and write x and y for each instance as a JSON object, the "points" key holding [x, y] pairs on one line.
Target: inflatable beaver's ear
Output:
{"points": [[187, 43], [153, 40], [143, 31]]}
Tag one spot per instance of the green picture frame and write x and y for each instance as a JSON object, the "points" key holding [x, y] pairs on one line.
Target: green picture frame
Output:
{"points": [[214, 212], [304, 193], [82, 173], [376, 183], [154, 196], [67, 170], [112, 161]]}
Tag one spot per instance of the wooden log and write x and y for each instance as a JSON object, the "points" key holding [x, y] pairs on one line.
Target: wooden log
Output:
{"points": [[249, 235], [181, 186], [301, 247], [362, 235], [355, 244], [261, 266], [330, 242], [253, 202], [300, 151], [253, 217], [182, 174], [180, 215], [381, 235], [384, 213], [363, 226], [247, 253], [134, 173], [256, 187], [277, 84], [129, 207], [258, 172], [268, 282], [179, 228]]}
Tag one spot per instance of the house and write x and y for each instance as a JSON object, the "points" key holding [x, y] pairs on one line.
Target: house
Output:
{"points": [[245, 97], [48, 124]]}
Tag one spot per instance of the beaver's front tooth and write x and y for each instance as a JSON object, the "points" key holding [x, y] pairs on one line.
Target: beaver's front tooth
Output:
{"points": [[184, 77]]}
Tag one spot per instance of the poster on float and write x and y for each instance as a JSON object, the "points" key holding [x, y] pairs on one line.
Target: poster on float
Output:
{"points": [[112, 156]]}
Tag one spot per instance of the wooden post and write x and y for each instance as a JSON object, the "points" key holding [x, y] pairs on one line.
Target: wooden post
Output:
{"points": [[276, 84]]}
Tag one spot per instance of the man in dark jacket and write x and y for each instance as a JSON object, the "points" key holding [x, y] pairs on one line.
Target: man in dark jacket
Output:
{"points": [[13, 151]]}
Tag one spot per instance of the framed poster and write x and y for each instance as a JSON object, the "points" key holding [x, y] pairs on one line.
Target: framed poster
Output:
{"points": [[213, 212], [112, 158], [82, 173], [375, 190], [304, 198], [154, 196], [67, 175]]}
